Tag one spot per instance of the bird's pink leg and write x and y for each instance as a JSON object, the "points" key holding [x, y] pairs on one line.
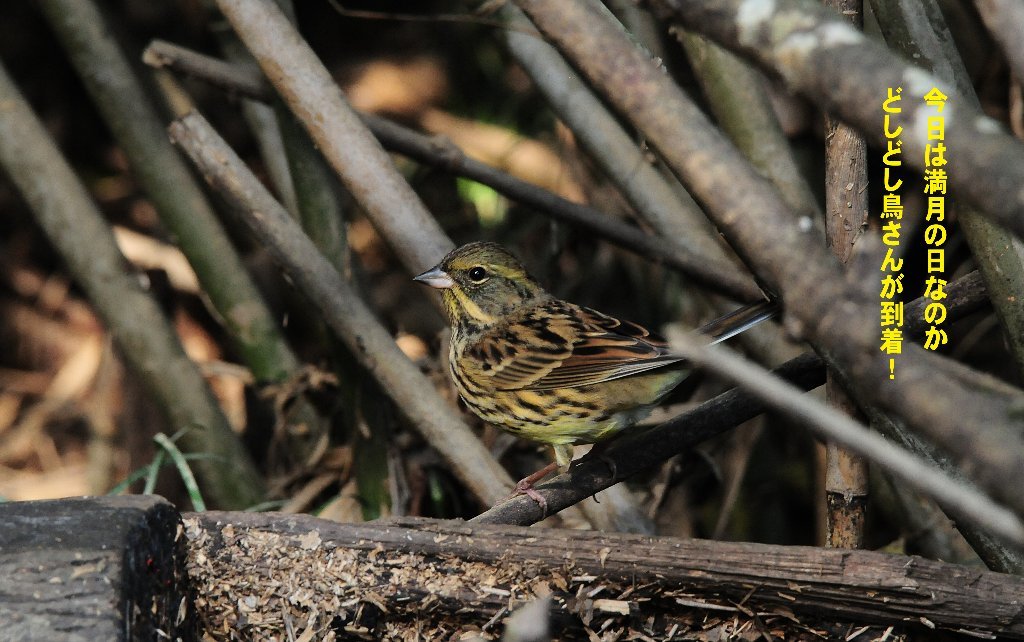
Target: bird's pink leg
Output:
{"points": [[525, 486]]}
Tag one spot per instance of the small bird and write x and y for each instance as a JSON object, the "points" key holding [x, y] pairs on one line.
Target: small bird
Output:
{"points": [[548, 370]]}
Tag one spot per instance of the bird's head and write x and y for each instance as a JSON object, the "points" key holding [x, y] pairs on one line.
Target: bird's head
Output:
{"points": [[481, 283]]}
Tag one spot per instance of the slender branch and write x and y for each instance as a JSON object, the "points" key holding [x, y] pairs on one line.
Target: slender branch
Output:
{"points": [[926, 530], [833, 425], [983, 428], [635, 452], [351, 320], [317, 190], [363, 166], [995, 553], [672, 212], [718, 274], [148, 344], [226, 75], [320, 210], [266, 127]]}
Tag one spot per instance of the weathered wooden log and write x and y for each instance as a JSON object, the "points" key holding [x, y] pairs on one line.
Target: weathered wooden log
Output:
{"points": [[92, 569], [257, 575]]}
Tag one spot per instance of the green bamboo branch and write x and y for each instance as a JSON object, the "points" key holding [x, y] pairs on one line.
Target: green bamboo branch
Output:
{"points": [[77, 230], [316, 188], [739, 102], [266, 127], [364, 167], [303, 183], [369, 415], [182, 206]]}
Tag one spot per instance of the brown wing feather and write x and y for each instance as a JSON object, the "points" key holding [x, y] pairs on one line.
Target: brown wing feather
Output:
{"points": [[560, 345], [607, 349]]}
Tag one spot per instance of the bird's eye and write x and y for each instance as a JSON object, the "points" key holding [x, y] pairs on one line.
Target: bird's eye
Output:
{"points": [[478, 274]]}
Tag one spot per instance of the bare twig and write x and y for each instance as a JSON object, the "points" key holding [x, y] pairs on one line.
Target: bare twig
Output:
{"points": [[224, 74], [364, 167], [343, 310], [266, 127], [77, 229]]}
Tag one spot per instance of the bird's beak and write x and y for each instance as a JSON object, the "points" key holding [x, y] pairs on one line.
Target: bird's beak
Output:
{"points": [[436, 278]]}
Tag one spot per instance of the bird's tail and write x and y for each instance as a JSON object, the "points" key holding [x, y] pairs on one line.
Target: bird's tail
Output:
{"points": [[737, 321]]}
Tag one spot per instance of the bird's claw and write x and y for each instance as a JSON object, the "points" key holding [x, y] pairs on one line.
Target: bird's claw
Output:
{"points": [[525, 487]]}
